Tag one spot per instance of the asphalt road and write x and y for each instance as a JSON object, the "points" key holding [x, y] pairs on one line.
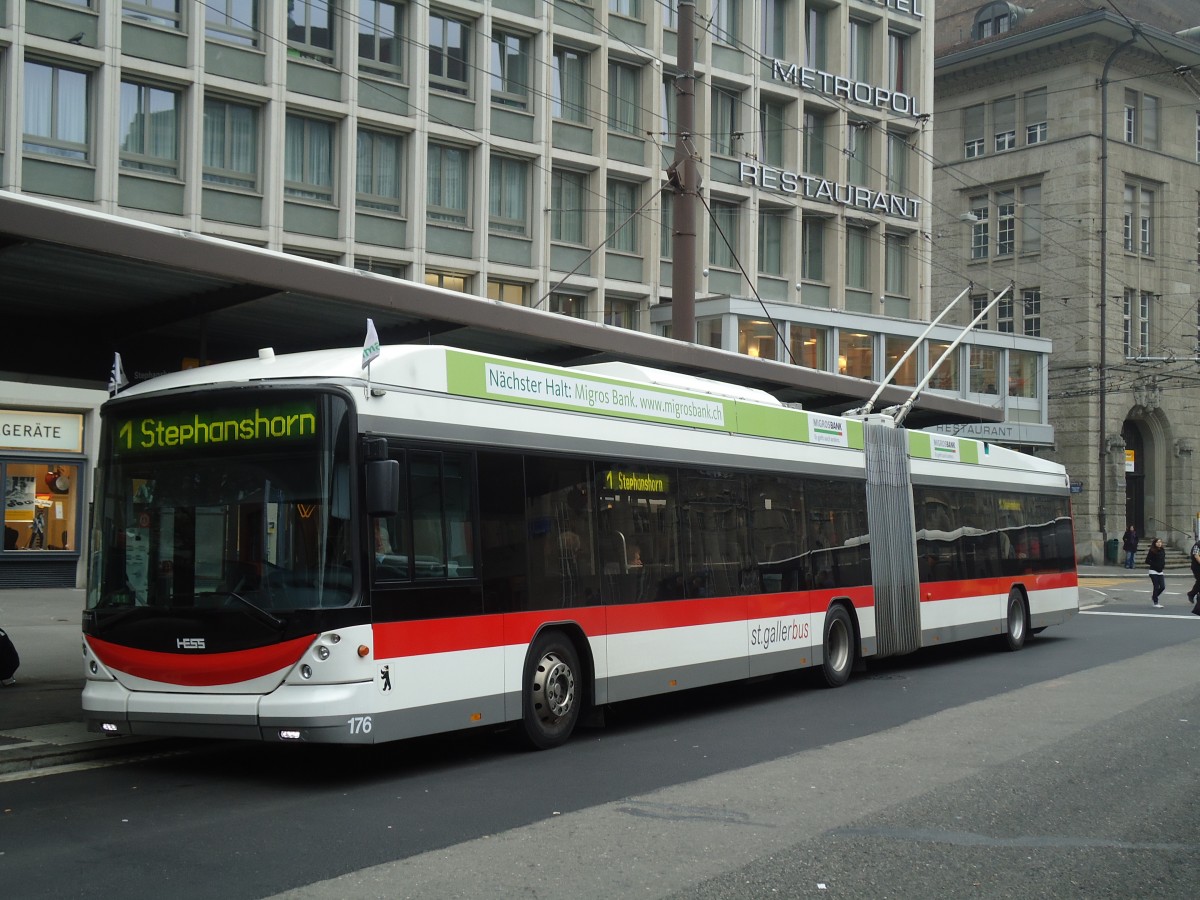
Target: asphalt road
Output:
{"points": [[1066, 770]]}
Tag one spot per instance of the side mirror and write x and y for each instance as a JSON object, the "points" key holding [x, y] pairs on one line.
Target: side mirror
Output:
{"points": [[383, 487]]}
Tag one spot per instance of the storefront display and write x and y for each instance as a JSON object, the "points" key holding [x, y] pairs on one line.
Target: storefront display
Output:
{"points": [[44, 474]]}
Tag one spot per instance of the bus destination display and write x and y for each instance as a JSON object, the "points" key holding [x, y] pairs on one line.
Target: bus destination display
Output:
{"points": [[215, 429]]}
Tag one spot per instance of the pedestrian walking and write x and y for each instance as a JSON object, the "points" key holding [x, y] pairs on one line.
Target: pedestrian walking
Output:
{"points": [[1194, 593], [1156, 560], [1129, 545]]}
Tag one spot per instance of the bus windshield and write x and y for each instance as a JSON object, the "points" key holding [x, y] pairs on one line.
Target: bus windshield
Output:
{"points": [[233, 499]]}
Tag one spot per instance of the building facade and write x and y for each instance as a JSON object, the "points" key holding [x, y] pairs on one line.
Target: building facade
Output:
{"points": [[520, 151], [1068, 170]]}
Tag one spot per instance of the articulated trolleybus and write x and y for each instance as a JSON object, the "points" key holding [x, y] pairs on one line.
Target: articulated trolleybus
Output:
{"points": [[286, 550]]}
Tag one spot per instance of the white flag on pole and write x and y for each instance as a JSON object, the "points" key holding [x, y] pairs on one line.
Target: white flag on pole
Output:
{"points": [[116, 378], [370, 345]]}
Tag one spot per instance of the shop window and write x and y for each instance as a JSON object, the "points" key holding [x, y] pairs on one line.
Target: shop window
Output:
{"points": [[40, 506]]}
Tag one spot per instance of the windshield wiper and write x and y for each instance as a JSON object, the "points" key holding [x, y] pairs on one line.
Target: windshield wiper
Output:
{"points": [[258, 612]]}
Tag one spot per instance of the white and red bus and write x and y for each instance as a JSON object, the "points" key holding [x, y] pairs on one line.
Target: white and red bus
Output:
{"points": [[286, 550]]}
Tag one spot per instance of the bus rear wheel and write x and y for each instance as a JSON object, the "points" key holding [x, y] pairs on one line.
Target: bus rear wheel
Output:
{"points": [[552, 692], [1016, 621], [837, 647]]}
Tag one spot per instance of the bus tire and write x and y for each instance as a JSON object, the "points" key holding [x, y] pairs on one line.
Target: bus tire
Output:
{"points": [[1016, 621], [837, 647], [552, 695]]}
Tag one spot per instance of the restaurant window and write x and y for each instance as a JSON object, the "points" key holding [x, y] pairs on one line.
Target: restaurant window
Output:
{"points": [[856, 354]]}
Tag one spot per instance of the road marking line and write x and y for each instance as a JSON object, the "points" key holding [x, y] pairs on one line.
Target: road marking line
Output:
{"points": [[1145, 615]]}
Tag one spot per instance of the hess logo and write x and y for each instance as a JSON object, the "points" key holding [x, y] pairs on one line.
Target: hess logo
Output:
{"points": [[189, 643]]}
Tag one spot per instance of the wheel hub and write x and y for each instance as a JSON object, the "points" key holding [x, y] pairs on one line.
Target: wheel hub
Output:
{"points": [[554, 686]]}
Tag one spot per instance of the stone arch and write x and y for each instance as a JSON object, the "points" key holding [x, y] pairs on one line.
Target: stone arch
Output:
{"points": [[1147, 432]]}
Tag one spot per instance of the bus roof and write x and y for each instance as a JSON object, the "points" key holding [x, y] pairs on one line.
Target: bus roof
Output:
{"points": [[622, 390]]}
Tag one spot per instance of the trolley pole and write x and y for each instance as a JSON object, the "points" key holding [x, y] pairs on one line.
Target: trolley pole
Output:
{"points": [[685, 182]]}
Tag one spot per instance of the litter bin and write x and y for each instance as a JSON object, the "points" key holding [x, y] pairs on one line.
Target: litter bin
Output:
{"points": [[1111, 549]]}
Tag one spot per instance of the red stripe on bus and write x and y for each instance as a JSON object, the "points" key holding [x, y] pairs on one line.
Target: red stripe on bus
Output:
{"points": [[200, 669], [395, 639], [977, 587]]}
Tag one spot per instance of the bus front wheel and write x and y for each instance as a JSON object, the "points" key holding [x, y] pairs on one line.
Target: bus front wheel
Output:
{"points": [[837, 647], [552, 693]]}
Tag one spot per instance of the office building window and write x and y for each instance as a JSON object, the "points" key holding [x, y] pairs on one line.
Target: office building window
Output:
{"points": [[756, 338], [164, 13], [1137, 224], [895, 265], [1035, 116], [670, 12], [815, 126], [944, 363], [857, 257], [569, 85], [723, 234], [772, 120], [573, 305], [232, 21], [310, 29], [56, 111], [451, 281], [856, 354], [979, 303], [1031, 219], [624, 93], [726, 21], [985, 369], [897, 162], [149, 129], [666, 228], [508, 195], [1141, 119], [860, 51], [230, 144], [816, 39], [1022, 374], [1006, 223], [670, 104], [725, 133], [621, 313], [621, 225], [449, 184], [381, 37], [812, 248], [771, 223], [1031, 311], [979, 227], [858, 153], [308, 158], [973, 122], [1128, 299], [629, 8], [449, 54], [810, 346], [775, 15], [894, 348], [1005, 114], [1004, 314], [379, 171], [1150, 122], [1144, 311], [513, 292], [510, 69], [898, 62], [568, 206]]}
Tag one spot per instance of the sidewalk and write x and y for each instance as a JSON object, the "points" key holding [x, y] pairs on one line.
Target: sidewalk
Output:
{"points": [[41, 720]]}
